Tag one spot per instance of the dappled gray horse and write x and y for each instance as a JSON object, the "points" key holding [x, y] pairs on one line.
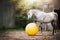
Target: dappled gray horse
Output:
{"points": [[44, 17]]}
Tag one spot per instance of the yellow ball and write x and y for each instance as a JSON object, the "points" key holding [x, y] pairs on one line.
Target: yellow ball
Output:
{"points": [[31, 29]]}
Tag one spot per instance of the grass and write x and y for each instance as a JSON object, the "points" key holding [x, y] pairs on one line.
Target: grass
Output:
{"points": [[11, 29]]}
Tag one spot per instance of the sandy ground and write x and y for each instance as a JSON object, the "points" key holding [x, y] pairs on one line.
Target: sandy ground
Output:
{"points": [[21, 35]]}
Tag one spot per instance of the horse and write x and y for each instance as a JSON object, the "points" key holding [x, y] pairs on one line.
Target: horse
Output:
{"points": [[44, 17]]}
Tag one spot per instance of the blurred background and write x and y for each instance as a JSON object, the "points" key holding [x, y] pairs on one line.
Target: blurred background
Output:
{"points": [[13, 13]]}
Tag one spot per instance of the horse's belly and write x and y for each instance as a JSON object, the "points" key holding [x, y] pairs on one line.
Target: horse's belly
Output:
{"points": [[40, 19], [48, 19]]}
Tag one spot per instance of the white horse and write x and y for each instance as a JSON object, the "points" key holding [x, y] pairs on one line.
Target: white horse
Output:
{"points": [[43, 17]]}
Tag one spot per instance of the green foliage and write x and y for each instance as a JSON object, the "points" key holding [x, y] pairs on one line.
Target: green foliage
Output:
{"points": [[21, 19], [21, 16], [22, 7]]}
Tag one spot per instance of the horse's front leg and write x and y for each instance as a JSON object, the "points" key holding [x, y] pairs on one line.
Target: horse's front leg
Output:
{"points": [[41, 27], [45, 27]]}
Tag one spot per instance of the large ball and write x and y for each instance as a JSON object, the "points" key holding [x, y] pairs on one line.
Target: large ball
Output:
{"points": [[31, 29]]}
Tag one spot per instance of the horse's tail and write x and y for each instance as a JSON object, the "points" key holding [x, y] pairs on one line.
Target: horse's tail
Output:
{"points": [[56, 19], [56, 16]]}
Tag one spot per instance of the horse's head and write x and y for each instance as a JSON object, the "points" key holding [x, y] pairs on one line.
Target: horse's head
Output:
{"points": [[29, 14]]}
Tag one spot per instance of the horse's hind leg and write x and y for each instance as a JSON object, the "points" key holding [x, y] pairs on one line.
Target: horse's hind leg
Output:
{"points": [[54, 26], [54, 30]]}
